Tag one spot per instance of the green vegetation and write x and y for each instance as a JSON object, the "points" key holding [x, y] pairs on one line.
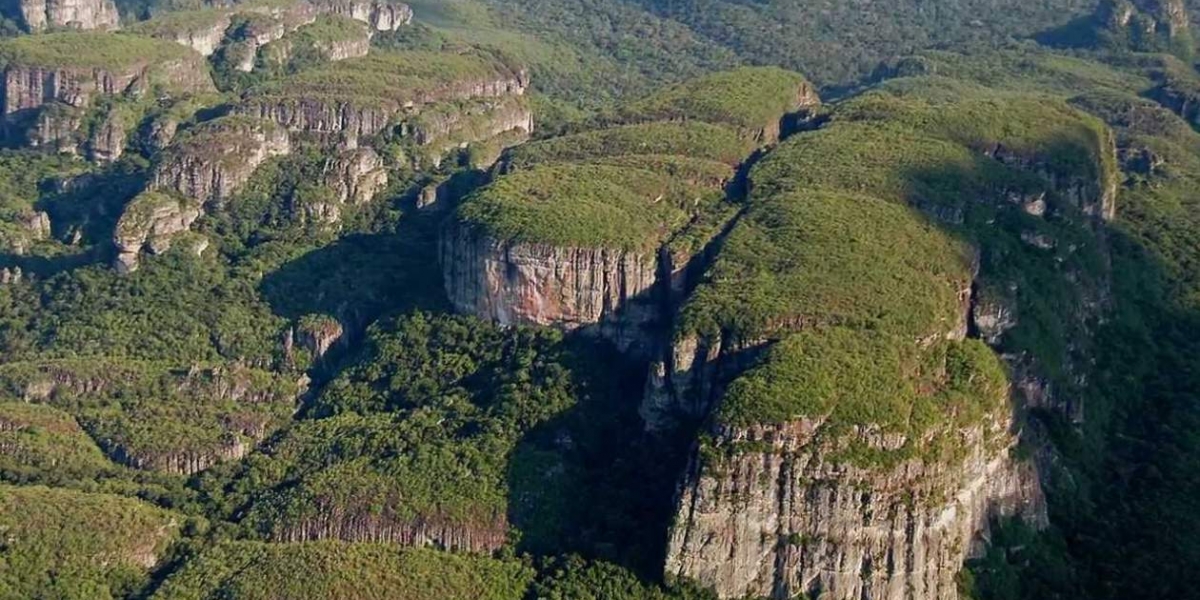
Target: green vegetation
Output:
{"points": [[312, 44], [153, 417], [749, 99], [693, 140], [575, 579], [386, 79], [256, 571], [821, 258], [46, 445], [584, 206], [424, 426], [842, 377], [114, 52], [169, 25], [65, 544]]}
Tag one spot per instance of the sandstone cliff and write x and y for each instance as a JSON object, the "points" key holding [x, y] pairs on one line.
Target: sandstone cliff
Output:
{"points": [[516, 283], [783, 518], [355, 175], [200, 30], [40, 15], [28, 84], [335, 523], [381, 15], [210, 162], [1146, 25]]}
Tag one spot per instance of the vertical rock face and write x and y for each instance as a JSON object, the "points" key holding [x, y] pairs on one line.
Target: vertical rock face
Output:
{"points": [[108, 139], [30, 86], [381, 15], [39, 15], [216, 158], [781, 519], [356, 175], [148, 223], [202, 31], [537, 284]]}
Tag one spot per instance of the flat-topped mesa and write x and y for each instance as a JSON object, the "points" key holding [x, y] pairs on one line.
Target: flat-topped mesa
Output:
{"points": [[573, 245], [39, 15], [761, 103], [599, 228], [201, 30], [861, 445], [361, 97], [211, 161], [252, 25]]}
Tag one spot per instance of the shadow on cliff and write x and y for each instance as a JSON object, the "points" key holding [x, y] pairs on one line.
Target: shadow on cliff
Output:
{"points": [[1108, 301], [590, 481]]}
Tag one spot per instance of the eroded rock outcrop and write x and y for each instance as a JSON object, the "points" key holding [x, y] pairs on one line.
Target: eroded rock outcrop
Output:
{"points": [[148, 224], [355, 175], [212, 160], [215, 413], [441, 128], [381, 15], [31, 86], [201, 30], [423, 531], [1146, 25], [40, 15]]}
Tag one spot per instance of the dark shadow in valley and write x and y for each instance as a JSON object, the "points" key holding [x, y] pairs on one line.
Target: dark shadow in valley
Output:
{"points": [[591, 481]]}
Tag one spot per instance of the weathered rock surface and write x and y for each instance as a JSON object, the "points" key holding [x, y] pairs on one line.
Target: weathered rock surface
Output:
{"points": [[210, 162], [368, 527], [201, 30], [108, 139], [356, 175], [442, 128], [514, 283], [781, 518], [39, 15], [381, 15], [148, 223], [30, 87]]}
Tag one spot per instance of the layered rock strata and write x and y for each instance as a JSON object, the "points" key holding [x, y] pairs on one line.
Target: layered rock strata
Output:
{"points": [[40, 15]]}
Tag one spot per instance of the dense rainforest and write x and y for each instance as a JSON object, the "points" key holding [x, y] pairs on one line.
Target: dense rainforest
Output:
{"points": [[599, 300]]}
